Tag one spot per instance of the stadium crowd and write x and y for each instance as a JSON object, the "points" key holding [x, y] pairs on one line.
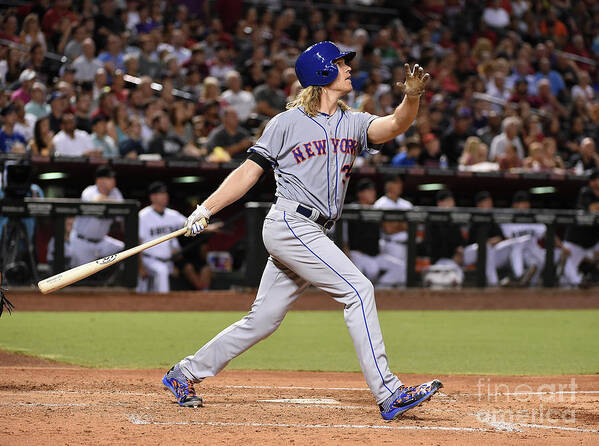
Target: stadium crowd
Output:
{"points": [[514, 86], [513, 82]]}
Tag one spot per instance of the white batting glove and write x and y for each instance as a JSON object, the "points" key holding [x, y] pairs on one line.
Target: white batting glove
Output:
{"points": [[194, 223]]}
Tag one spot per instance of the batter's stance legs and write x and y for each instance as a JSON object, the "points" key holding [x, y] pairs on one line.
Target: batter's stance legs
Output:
{"points": [[278, 289]]}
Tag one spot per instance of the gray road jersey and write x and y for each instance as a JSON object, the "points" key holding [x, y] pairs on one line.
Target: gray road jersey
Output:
{"points": [[313, 156]]}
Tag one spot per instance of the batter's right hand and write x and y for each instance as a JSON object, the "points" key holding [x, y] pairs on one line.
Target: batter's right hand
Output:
{"points": [[197, 221]]}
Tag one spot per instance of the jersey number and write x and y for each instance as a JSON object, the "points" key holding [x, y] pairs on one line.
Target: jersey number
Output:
{"points": [[346, 170]]}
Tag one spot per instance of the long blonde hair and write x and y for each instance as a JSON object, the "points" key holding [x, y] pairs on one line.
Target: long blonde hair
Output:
{"points": [[309, 99]]}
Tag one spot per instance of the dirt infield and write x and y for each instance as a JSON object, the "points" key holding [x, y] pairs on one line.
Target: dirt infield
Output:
{"points": [[47, 402], [93, 299]]}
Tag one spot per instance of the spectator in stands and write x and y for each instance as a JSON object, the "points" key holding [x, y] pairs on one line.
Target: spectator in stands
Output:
{"points": [[131, 61], [533, 131], [177, 48], [221, 64], [555, 80], [31, 33], [58, 106], [82, 111], [475, 152], [113, 57], [8, 137], [132, 145], [71, 141], [394, 233], [491, 129], [243, 101], [163, 142], [408, 156], [106, 103], [13, 66], [74, 47], [582, 241], [495, 16], [24, 124], [431, 155], [107, 23], [179, 114], [509, 159], [101, 140], [233, 138], [270, 99], [10, 26], [551, 159], [43, 142], [509, 135], [548, 101], [444, 240], [86, 65], [116, 127], [149, 62], [53, 18], [37, 105], [362, 244], [26, 80], [584, 88], [99, 85], [454, 139], [587, 158], [121, 94], [521, 94], [497, 89], [536, 159]]}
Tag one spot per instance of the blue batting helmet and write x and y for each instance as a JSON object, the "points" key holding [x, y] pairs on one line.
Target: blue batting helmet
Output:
{"points": [[316, 65]]}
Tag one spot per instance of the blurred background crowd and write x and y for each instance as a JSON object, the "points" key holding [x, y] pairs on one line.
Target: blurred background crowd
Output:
{"points": [[514, 87], [513, 82]]}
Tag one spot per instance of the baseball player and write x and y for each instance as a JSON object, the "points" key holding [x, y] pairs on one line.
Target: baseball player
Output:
{"points": [[582, 241], [395, 235], [527, 252], [384, 270], [444, 240], [154, 221], [89, 237], [311, 147], [499, 248]]}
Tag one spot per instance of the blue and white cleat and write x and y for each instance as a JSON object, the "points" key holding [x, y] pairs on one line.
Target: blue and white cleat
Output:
{"points": [[182, 388], [406, 398]]}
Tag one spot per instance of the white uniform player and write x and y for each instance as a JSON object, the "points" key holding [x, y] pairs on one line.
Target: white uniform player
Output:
{"points": [[312, 148], [582, 242], [155, 221], [362, 239], [394, 236], [89, 237], [498, 247]]}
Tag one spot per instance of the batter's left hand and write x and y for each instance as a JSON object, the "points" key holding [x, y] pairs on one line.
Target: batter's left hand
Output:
{"points": [[415, 81]]}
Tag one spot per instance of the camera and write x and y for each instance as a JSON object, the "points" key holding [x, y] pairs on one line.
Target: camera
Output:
{"points": [[16, 180]]}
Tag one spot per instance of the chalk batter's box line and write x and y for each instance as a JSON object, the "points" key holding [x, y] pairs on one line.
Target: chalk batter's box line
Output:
{"points": [[138, 420]]}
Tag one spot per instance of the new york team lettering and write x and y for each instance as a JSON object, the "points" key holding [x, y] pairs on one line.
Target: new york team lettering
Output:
{"points": [[319, 147]]}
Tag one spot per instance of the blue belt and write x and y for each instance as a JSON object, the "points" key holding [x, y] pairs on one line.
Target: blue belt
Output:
{"points": [[320, 219]]}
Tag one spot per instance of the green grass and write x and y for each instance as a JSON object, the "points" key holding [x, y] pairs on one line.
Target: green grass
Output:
{"points": [[465, 342]]}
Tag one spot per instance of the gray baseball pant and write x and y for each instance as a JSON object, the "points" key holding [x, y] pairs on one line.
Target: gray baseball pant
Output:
{"points": [[301, 254]]}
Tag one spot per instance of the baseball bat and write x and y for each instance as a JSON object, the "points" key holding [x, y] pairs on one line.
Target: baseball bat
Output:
{"points": [[80, 272]]}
